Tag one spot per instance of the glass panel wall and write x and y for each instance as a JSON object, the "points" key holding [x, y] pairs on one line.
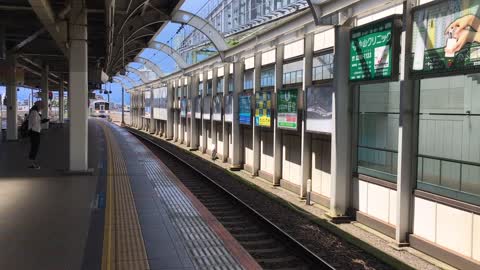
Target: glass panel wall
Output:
{"points": [[267, 77], [200, 88], [323, 66], [293, 72], [248, 80], [231, 84], [378, 119], [220, 85], [209, 87], [448, 140]]}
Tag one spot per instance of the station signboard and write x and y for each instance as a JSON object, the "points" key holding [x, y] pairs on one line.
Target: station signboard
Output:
{"points": [[263, 109], [287, 109], [319, 111], [183, 107], [217, 108], [198, 107], [374, 50], [207, 107], [160, 103], [445, 38], [245, 108], [228, 108]]}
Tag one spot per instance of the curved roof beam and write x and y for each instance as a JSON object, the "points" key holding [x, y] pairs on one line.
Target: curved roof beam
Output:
{"points": [[118, 80], [125, 77], [203, 26], [130, 53], [150, 65], [169, 51], [138, 72]]}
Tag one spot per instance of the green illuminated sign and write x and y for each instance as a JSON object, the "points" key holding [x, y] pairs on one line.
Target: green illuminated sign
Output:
{"points": [[373, 51], [287, 108]]}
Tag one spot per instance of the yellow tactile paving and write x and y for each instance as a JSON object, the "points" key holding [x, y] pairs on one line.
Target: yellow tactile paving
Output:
{"points": [[123, 245]]}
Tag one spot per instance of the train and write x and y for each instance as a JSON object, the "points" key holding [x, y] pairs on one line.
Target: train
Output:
{"points": [[99, 107]]}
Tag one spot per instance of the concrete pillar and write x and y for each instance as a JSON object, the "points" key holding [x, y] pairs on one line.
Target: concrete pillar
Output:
{"points": [[153, 127], [306, 151], [204, 123], [226, 75], [181, 133], [193, 125], [237, 141], [61, 103], [277, 133], [188, 121], [170, 96], [407, 136], [44, 94], [78, 66], [256, 130], [12, 130], [341, 163], [176, 115], [213, 128]]}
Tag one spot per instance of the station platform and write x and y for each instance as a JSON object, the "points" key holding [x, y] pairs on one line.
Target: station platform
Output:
{"points": [[130, 213]]}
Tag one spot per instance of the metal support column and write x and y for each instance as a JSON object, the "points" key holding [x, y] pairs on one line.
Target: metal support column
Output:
{"points": [[237, 141], [203, 148], [277, 133], [61, 101], [407, 135], [193, 125], [226, 142], [123, 107], [306, 151], [256, 130], [44, 95], [78, 66], [170, 94], [341, 159], [12, 131], [213, 129]]}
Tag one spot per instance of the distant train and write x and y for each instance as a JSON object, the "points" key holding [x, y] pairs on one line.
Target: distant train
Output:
{"points": [[99, 108]]}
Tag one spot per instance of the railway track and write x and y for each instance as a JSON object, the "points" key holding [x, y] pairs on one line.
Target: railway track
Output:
{"points": [[270, 246]]}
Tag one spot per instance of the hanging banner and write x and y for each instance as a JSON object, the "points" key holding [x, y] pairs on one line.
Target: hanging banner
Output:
{"points": [[228, 108], [207, 107], [245, 108], [147, 102], [446, 38], [287, 109], [198, 107], [217, 108], [263, 109], [319, 109], [374, 50], [160, 103], [183, 107]]}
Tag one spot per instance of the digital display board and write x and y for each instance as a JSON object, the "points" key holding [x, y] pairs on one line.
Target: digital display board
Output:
{"points": [[263, 109], [217, 108], [374, 50], [228, 108], [207, 107], [160, 103], [287, 109], [319, 108], [445, 38], [245, 108]]}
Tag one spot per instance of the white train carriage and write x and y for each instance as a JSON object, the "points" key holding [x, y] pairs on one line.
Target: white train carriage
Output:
{"points": [[99, 108]]}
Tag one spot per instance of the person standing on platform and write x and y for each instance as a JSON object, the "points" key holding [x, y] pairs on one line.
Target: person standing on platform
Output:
{"points": [[34, 128]]}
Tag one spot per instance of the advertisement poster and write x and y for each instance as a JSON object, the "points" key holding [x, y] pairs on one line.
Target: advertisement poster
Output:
{"points": [[217, 108], [160, 103], [189, 108], [446, 37], [245, 108], [183, 108], [371, 51], [263, 109], [198, 108], [319, 108], [148, 105], [229, 108], [287, 108], [207, 107]]}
